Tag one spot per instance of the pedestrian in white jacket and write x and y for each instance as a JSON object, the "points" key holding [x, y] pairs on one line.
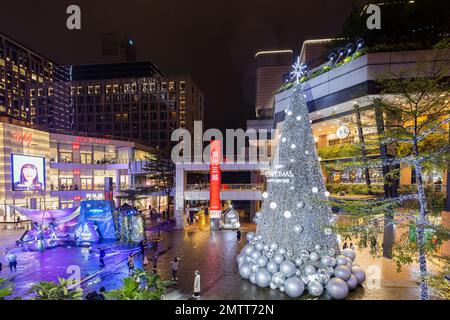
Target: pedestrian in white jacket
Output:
{"points": [[196, 294]]}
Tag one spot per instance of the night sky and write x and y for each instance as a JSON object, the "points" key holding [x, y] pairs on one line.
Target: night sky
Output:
{"points": [[214, 41]]}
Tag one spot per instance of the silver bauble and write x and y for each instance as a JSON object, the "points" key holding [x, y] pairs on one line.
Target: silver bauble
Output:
{"points": [[298, 262], [269, 254], [317, 247], [300, 204], [298, 228], [248, 249], [278, 278], [278, 258], [254, 267], [298, 272], [314, 256], [287, 268], [304, 254], [352, 282], [248, 259], [272, 266], [250, 236], [245, 270], [294, 287], [262, 261], [255, 254], [240, 258], [259, 246], [333, 262], [349, 253], [342, 272], [281, 251], [309, 269], [305, 279], [325, 261], [262, 277], [253, 278], [289, 253], [328, 231], [337, 288], [330, 270], [315, 288], [259, 237], [331, 252], [274, 246], [272, 285], [282, 288], [266, 247], [323, 276], [359, 274], [341, 260]]}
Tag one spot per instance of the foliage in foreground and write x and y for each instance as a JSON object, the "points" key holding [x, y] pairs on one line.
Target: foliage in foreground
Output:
{"points": [[5, 289], [140, 286], [56, 291]]}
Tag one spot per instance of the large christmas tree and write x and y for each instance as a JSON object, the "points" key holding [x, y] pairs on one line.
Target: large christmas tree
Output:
{"points": [[294, 245]]}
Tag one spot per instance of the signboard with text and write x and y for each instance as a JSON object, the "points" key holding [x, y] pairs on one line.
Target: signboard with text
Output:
{"points": [[215, 205]]}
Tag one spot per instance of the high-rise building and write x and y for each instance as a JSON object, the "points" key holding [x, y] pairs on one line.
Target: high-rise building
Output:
{"points": [[133, 101], [118, 48], [271, 66], [32, 92]]}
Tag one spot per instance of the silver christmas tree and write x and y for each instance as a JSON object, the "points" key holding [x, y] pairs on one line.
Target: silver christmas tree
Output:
{"points": [[294, 248], [294, 213]]}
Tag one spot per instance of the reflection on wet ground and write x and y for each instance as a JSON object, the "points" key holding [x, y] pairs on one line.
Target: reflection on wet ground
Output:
{"points": [[213, 253]]}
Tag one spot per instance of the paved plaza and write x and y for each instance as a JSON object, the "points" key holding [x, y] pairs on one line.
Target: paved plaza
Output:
{"points": [[213, 253]]}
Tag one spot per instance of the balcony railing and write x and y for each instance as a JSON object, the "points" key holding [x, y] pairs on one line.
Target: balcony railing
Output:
{"points": [[228, 187]]}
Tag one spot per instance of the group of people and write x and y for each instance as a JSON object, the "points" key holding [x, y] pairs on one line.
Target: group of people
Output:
{"points": [[346, 245]]}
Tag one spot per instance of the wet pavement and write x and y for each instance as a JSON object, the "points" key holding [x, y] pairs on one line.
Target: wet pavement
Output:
{"points": [[213, 253]]}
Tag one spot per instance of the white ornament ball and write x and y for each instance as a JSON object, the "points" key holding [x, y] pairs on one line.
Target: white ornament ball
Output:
{"points": [[315, 189], [272, 266], [250, 236], [287, 268], [293, 146], [245, 270], [315, 288], [309, 269], [359, 273], [272, 286], [299, 118], [259, 246], [298, 262], [283, 140], [341, 260], [294, 287], [328, 231], [266, 247], [298, 228], [343, 272], [306, 152], [349, 253], [304, 254], [262, 261], [314, 256], [352, 282], [289, 253], [305, 279], [300, 204], [322, 276], [327, 194], [278, 258], [248, 249], [317, 247], [282, 288], [255, 255], [253, 278], [289, 113], [287, 214], [325, 261], [265, 195], [282, 251], [333, 262], [262, 277], [274, 246], [273, 205], [337, 288], [278, 278]]}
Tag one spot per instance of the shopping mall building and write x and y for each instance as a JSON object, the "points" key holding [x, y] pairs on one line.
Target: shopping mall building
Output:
{"points": [[45, 170], [340, 103]]}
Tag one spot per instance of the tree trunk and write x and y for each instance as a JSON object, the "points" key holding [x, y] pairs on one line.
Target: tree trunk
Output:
{"points": [[447, 183], [420, 225]]}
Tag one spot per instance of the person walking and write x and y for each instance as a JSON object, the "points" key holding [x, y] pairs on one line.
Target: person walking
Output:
{"points": [[352, 246], [130, 264], [145, 263], [12, 261], [174, 267], [238, 235], [142, 246], [345, 246], [102, 257], [196, 294]]}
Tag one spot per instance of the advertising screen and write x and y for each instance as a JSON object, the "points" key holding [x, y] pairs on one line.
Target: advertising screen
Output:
{"points": [[28, 172]]}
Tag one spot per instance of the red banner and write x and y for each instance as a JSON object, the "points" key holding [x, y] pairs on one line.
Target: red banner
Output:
{"points": [[215, 205]]}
